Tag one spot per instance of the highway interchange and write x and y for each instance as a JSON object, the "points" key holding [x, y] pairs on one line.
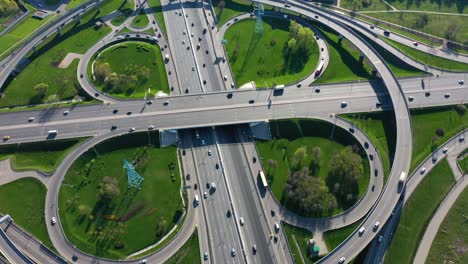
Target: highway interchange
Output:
{"points": [[207, 100]]}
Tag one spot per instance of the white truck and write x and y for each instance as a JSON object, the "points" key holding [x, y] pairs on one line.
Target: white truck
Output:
{"points": [[402, 177]]}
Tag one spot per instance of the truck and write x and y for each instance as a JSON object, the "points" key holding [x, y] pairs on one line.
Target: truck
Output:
{"points": [[53, 132], [279, 87], [402, 177], [263, 179], [319, 68]]}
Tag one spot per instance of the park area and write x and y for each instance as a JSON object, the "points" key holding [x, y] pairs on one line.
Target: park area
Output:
{"points": [[102, 215], [305, 168], [284, 53], [131, 69]]}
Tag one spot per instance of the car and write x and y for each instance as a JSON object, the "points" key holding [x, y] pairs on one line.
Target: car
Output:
{"points": [[195, 186], [415, 43], [447, 95], [131, 129], [209, 152], [228, 213], [188, 177], [461, 82], [198, 46], [185, 32], [287, 5], [53, 220], [444, 150], [151, 127], [380, 239], [342, 260], [241, 221], [233, 252], [205, 256], [317, 90], [5, 138], [362, 230], [344, 104], [207, 185], [461, 138], [277, 227], [229, 96], [225, 77], [254, 248], [232, 85], [376, 225], [272, 213], [193, 68], [422, 170], [149, 102], [378, 104], [31, 119], [205, 195], [166, 103], [183, 42], [251, 101], [129, 113], [143, 261], [191, 34], [427, 94], [299, 85], [66, 112], [203, 142], [114, 127], [410, 98], [372, 26]]}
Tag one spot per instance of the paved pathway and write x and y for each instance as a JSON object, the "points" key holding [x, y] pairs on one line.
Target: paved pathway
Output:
{"points": [[69, 59], [7, 174]]}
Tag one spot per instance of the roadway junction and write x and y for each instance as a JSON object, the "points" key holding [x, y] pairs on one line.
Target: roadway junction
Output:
{"points": [[211, 116]]}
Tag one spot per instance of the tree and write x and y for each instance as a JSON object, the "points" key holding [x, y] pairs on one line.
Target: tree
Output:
{"points": [[8, 7], [84, 209], [315, 162], [440, 132], [308, 194], [461, 109], [298, 48], [41, 89], [102, 71], [221, 6], [300, 155], [345, 168], [422, 21], [108, 189]]}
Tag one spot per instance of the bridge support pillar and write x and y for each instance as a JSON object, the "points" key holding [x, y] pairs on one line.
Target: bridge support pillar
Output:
{"points": [[261, 130], [168, 137]]}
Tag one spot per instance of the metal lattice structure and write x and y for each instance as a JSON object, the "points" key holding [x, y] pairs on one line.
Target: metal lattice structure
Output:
{"points": [[259, 23], [134, 179]]}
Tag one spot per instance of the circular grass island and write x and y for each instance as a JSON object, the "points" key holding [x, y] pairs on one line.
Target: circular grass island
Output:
{"points": [[267, 58], [310, 173], [102, 216], [130, 70]]}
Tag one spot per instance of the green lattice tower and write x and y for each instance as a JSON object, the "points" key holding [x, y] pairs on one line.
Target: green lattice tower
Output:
{"points": [[134, 179], [259, 23]]}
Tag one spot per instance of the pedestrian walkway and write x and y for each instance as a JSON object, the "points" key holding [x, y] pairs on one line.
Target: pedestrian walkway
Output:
{"points": [[7, 174]]}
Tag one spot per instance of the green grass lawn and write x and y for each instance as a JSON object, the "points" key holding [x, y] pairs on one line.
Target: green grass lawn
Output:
{"points": [[302, 237], [141, 20], [126, 8], [449, 6], [295, 133], [417, 213], [380, 128], [26, 201], [74, 3], [157, 9], [259, 57], [141, 54], [232, 8], [437, 25], [334, 237], [355, 6], [77, 38], [344, 64], [189, 253], [136, 218], [464, 165], [425, 122], [452, 235], [44, 156]]}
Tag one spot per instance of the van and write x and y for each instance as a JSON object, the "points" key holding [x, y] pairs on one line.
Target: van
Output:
{"points": [[53, 132]]}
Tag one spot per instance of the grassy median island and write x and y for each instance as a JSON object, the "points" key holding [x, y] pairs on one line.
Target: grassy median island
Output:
{"points": [[24, 202], [279, 55], [449, 245], [157, 9], [125, 9], [130, 69], [44, 156], [102, 216], [298, 239], [42, 81], [189, 253], [141, 20], [464, 164], [302, 161], [434, 126], [417, 213], [334, 238]]}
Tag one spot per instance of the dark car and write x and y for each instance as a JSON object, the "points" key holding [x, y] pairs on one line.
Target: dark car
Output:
{"points": [[113, 128], [251, 101], [129, 113], [115, 111]]}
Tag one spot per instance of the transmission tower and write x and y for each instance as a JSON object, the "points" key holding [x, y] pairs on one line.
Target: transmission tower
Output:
{"points": [[134, 179], [259, 23]]}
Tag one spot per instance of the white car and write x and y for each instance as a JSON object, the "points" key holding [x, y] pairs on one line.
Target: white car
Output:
{"points": [[376, 225], [225, 77], [151, 127], [461, 82], [361, 230], [410, 98], [447, 95], [143, 261], [31, 119], [209, 152], [422, 170], [205, 195], [380, 239], [53, 220], [276, 227], [132, 129], [241, 220], [444, 150], [233, 252], [66, 112], [342, 260]]}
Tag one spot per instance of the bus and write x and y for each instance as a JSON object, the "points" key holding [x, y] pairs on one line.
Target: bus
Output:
{"points": [[319, 68], [262, 177]]}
